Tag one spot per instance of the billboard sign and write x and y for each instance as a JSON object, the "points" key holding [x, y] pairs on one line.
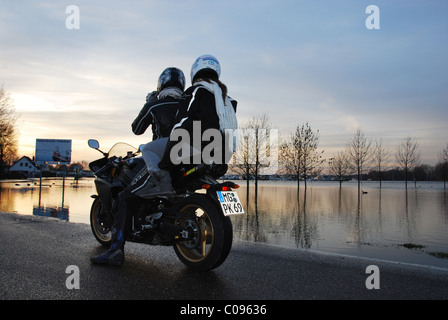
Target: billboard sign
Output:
{"points": [[53, 151]]}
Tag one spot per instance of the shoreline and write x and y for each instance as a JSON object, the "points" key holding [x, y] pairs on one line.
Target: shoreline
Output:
{"points": [[371, 184]]}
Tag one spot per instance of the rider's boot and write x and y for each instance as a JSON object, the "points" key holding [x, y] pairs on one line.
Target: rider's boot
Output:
{"points": [[115, 255]]}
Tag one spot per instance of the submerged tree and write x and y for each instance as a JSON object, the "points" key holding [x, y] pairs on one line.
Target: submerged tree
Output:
{"points": [[301, 154], [359, 153], [260, 127], [443, 165], [241, 163], [340, 166], [256, 150], [380, 157], [408, 156]]}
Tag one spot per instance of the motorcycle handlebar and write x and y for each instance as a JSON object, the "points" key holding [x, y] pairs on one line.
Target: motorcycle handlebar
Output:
{"points": [[101, 170], [113, 162]]}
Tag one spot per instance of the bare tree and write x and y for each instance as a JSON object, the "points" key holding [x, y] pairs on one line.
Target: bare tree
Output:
{"points": [[254, 153], [8, 133], [380, 157], [290, 159], [443, 163], [359, 153], [408, 156], [242, 159], [340, 166], [302, 155], [260, 127]]}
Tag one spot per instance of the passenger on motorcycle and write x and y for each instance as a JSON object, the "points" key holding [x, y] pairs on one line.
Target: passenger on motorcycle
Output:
{"points": [[159, 111], [205, 103]]}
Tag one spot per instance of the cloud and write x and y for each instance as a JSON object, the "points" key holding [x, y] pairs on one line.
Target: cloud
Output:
{"points": [[297, 61]]}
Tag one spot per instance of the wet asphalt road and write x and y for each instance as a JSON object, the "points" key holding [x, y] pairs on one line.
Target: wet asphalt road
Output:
{"points": [[35, 253]]}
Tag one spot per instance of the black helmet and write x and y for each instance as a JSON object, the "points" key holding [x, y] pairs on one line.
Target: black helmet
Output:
{"points": [[171, 77]]}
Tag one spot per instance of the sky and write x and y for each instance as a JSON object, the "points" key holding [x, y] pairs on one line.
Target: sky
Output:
{"points": [[297, 61]]}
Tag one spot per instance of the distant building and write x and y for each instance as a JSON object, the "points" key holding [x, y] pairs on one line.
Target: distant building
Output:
{"points": [[24, 165]]}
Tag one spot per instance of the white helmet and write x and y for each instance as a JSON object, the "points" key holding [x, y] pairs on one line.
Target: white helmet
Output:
{"points": [[206, 61]]}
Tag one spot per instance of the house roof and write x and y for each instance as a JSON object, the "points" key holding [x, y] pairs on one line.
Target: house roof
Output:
{"points": [[26, 159]]}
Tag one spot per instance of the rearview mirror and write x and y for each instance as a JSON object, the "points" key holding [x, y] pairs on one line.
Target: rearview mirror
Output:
{"points": [[94, 144]]}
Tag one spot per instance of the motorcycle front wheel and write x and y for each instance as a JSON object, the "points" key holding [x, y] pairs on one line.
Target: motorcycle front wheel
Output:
{"points": [[210, 234], [100, 225]]}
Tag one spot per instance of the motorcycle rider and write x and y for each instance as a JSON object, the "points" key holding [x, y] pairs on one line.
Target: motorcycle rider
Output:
{"points": [[205, 102], [161, 106], [159, 111], [161, 115]]}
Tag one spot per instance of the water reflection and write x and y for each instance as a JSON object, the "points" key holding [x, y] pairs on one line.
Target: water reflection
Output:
{"points": [[66, 200], [55, 212], [374, 223]]}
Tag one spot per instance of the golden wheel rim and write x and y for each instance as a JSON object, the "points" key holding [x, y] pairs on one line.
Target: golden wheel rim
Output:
{"points": [[198, 248]]}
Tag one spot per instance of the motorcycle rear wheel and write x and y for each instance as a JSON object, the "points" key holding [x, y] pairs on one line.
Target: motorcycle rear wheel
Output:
{"points": [[211, 234], [98, 223]]}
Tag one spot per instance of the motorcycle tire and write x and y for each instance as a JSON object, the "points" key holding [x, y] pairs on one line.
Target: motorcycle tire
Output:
{"points": [[98, 223], [211, 234]]}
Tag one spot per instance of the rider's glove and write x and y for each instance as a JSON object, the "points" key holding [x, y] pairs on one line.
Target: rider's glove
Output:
{"points": [[152, 96]]}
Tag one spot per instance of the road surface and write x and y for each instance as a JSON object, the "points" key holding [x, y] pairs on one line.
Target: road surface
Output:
{"points": [[46, 258]]}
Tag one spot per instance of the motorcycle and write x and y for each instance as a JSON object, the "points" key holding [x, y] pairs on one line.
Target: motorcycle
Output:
{"points": [[195, 219]]}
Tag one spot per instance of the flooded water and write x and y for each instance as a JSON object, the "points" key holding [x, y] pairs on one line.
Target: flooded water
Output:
{"points": [[67, 200], [387, 223]]}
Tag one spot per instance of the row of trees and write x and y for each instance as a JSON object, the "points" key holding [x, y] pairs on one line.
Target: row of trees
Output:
{"points": [[299, 155], [361, 154]]}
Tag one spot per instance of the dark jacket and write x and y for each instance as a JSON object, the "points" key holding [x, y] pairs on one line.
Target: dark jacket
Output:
{"points": [[196, 104], [160, 114]]}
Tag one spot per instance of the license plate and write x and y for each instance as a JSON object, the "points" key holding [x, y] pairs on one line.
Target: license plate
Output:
{"points": [[230, 203]]}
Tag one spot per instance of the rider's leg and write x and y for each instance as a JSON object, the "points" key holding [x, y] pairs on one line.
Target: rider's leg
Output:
{"points": [[152, 154], [115, 254]]}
